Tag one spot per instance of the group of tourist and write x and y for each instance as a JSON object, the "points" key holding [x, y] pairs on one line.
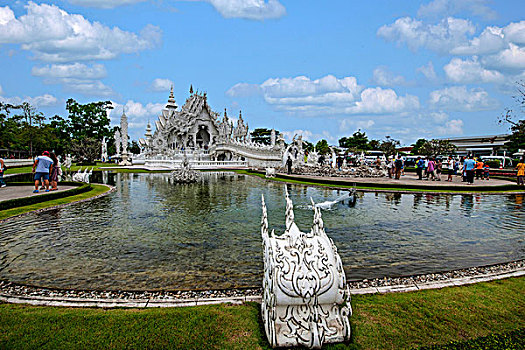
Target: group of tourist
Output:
{"points": [[46, 169]]}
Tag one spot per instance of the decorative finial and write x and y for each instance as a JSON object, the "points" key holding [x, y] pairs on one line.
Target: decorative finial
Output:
{"points": [[225, 114], [240, 114], [191, 89]]}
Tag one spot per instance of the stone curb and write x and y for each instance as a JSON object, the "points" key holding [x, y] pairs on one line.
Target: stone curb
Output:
{"points": [[146, 303]]}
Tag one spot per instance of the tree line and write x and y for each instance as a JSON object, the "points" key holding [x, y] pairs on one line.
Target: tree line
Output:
{"points": [[26, 130]]}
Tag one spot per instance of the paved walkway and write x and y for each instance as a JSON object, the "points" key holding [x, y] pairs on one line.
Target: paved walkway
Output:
{"points": [[12, 192], [411, 179]]}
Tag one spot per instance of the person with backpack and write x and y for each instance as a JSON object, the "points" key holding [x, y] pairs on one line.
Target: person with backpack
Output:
{"points": [[420, 166], [399, 165]]}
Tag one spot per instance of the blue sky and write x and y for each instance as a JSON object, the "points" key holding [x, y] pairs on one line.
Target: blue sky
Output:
{"points": [[323, 69]]}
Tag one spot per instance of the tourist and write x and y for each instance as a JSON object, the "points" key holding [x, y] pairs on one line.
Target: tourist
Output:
{"points": [[451, 171], [463, 170], [289, 165], [399, 164], [479, 169], [389, 166], [521, 171], [420, 164], [439, 167], [378, 163], [486, 171], [53, 175], [431, 169], [2, 169], [469, 166], [41, 168]]}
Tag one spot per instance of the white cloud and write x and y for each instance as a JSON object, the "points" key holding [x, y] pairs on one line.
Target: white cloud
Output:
{"points": [[451, 127], [470, 71], [244, 90], [161, 84], [37, 101], [75, 70], [107, 4], [351, 124], [383, 101], [54, 35], [511, 58], [441, 37], [491, 40], [439, 8], [329, 95], [383, 77], [87, 87], [428, 71], [458, 98], [249, 9], [309, 136], [439, 117], [515, 32]]}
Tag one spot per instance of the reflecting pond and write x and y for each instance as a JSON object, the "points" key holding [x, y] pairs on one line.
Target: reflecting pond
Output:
{"points": [[153, 234]]}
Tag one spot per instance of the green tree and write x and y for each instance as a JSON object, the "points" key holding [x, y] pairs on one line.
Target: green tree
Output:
{"points": [[263, 135], [517, 125], [388, 146], [322, 147], [308, 146], [86, 121], [133, 147], [417, 146], [437, 147], [358, 141], [86, 149]]}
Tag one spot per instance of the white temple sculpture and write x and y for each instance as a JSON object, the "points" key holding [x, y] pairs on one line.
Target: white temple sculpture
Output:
{"points": [[195, 129], [117, 142], [104, 150], [124, 139], [306, 301]]}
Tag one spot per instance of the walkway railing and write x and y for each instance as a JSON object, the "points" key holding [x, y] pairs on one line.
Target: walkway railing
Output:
{"points": [[196, 164]]}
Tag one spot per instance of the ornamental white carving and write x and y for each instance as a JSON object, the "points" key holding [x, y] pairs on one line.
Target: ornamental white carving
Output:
{"points": [[306, 301]]}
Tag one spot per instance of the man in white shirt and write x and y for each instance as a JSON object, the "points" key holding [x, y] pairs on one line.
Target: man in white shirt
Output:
{"points": [[42, 167]]}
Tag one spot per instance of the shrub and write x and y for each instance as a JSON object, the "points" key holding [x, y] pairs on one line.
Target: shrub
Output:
{"points": [[494, 164]]}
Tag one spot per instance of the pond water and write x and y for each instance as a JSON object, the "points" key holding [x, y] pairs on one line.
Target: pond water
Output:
{"points": [[151, 234]]}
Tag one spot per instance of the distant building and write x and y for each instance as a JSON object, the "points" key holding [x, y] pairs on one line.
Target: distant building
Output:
{"points": [[488, 145]]}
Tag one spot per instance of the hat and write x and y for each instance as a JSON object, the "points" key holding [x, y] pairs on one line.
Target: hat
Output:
{"points": [[46, 153]]}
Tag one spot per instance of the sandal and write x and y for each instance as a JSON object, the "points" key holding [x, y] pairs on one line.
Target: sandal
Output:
{"points": [[35, 191]]}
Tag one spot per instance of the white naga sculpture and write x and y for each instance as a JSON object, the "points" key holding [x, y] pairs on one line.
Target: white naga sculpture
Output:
{"points": [[306, 301]]}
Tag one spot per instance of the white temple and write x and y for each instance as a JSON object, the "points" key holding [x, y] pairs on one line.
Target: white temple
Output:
{"points": [[196, 130]]}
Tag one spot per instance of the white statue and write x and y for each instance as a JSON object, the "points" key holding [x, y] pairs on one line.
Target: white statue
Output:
{"points": [[117, 141], [306, 301], [104, 150], [124, 138]]}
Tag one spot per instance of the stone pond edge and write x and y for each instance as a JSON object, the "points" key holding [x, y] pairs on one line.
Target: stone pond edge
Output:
{"points": [[410, 285], [110, 190]]}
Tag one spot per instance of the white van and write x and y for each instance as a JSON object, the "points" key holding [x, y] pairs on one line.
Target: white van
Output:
{"points": [[503, 161]]}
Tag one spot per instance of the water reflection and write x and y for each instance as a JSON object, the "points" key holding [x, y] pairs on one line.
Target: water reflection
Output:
{"points": [[153, 234]]}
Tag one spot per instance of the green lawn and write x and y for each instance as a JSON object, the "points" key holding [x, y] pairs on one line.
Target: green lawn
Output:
{"points": [[387, 321]]}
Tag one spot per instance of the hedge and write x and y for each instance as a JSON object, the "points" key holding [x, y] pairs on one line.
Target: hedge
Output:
{"points": [[20, 202]]}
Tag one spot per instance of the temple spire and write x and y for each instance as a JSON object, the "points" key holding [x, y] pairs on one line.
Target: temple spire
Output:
{"points": [[171, 100], [191, 89]]}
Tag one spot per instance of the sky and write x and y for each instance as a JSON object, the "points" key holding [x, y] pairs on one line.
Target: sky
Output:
{"points": [[323, 69]]}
